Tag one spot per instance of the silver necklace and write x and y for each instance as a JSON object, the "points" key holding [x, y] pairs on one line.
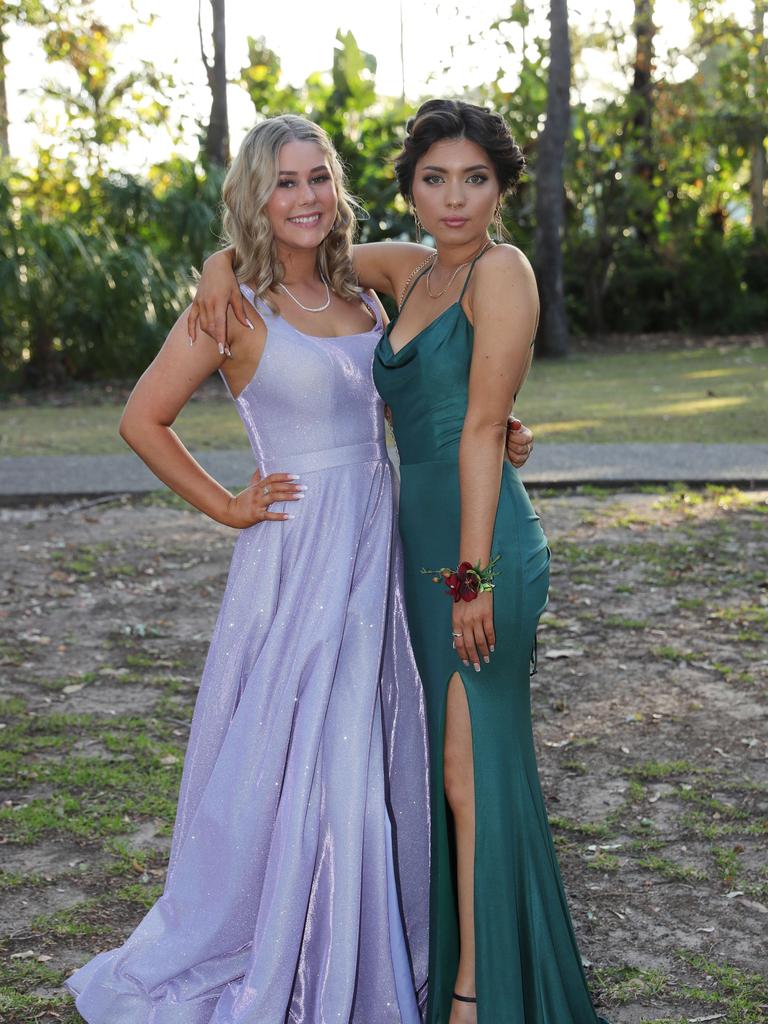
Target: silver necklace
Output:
{"points": [[310, 309], [452, 278]]}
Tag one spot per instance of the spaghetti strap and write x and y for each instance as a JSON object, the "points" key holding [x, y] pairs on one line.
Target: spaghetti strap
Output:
{"points": [[261, 307], [472, 267], [373, 308]]}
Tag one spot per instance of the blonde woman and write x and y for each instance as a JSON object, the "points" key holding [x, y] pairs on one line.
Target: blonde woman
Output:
{"points": [[298, 881]]}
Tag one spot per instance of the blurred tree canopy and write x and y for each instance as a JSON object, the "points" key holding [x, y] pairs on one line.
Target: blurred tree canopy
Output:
{"points": [[664, 184]]}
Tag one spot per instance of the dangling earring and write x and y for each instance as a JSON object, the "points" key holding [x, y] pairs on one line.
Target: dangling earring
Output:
{"points": [[498, 223], [417, 222]]}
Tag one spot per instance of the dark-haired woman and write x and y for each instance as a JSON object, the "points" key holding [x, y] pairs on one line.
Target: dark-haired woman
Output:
{"points": [[502, 947]]}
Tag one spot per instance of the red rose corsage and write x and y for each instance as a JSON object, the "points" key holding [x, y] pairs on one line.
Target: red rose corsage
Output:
{"points": [[466, 581]]}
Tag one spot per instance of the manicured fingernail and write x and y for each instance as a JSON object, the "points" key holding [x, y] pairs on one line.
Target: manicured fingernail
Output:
{"points": [[465, 663], [301, 487], [229, 353], [491, 648], [294, 476], [486, 659], [249, 323], [221, 349], [289, 516], [191, 343], [299, 497], [476, 668]]}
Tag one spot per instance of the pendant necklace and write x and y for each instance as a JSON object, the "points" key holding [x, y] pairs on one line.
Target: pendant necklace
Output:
{"points": [[310, 309], [461, 266]]}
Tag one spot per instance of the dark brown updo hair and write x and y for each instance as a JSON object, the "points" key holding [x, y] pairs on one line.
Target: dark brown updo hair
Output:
{"points": [[437, 120]]}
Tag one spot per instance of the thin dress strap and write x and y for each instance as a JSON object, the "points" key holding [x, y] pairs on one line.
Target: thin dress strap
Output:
{"points": [[258, 304], [472, 267], [373, 306]]}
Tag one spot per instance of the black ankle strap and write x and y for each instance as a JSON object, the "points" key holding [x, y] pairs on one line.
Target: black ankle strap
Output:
{"points": [[464, 999]]}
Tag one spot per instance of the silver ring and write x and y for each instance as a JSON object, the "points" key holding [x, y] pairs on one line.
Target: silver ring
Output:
{"points": [[266, 489], [457, 634]]}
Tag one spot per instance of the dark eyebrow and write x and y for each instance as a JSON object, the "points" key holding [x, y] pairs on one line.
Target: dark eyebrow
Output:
{"points": [[474, 167], [295, 174]]}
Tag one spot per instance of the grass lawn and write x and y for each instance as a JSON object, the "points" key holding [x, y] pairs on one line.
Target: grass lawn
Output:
{"points": [[681, 395]]}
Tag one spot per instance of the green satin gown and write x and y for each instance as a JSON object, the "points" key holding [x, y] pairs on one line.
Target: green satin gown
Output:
{"points": [[528, 967]]}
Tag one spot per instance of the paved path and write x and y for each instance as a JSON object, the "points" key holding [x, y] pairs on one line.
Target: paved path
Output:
{"points": [[551, 465]]}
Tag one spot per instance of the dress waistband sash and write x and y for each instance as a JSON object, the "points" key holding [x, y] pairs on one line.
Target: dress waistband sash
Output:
{"points": [[313, 462]]}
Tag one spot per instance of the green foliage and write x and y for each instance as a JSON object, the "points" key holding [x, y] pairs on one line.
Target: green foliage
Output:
{"points": [[96, 264], [92, 278]]}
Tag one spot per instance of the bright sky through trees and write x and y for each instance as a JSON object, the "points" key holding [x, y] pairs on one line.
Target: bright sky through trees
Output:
{"points": [[437, 59]]}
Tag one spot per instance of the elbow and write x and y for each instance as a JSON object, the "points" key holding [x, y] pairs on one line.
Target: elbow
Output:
{"points": [[130, 430], [124, 429]]}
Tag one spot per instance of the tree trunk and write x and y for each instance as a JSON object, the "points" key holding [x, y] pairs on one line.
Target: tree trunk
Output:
{"points": [[757, 160], [642, 86], [641, 120], [5, 149], [550, 197], [217, 136]]}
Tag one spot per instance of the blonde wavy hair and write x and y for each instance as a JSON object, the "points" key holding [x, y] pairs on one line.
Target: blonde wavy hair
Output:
{"points": [[250, 182]]}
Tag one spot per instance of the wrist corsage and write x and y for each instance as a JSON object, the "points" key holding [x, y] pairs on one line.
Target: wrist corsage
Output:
{"points": [[467, 581]]}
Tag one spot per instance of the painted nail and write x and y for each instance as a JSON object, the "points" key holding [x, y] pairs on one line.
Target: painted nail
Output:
{"points": [[476, 668], [289, 516], [465, 663], [294, 476], [249, 323], [301, 487], [486, 659], [491, 648], [191, 343], [221, 349], [299, 497]]}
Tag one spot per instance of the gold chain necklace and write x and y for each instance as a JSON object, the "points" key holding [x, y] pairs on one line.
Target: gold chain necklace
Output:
{"points": [[461, 266]]}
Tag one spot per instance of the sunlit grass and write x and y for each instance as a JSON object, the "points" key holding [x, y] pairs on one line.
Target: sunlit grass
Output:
{"points": [[698, 395], [705, 395], [93, 429]]}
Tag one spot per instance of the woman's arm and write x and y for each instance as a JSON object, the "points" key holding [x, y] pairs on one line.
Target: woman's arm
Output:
{"points": [[385, 266], [146, 425], [382, 266], [504, 304]]}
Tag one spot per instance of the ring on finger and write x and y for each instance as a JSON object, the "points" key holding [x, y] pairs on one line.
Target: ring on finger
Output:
{"points": [[266, 489], [457, 634]]}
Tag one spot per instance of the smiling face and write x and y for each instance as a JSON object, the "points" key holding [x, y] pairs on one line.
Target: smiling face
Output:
{"points": [[455, 191], [303, 205]]}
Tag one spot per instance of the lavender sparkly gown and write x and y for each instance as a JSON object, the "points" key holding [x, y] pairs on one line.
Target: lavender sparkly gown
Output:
{"points": [[298, 883]]}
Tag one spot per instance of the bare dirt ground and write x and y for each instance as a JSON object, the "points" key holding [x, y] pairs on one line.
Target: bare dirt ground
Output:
{"points": [[649, 708]]}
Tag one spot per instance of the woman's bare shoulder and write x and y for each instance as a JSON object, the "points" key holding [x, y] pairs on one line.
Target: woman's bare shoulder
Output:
{"points": [[502, 260]]}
